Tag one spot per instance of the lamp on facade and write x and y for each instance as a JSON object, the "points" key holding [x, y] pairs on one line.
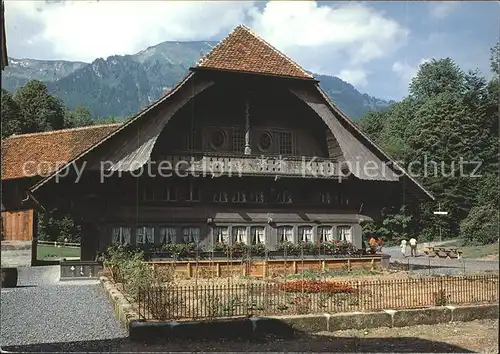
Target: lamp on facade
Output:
{"points": [[210, 221], [270, 220]]}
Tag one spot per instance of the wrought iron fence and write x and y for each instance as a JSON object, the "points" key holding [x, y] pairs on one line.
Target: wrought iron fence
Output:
{"points": [[312, 296]]}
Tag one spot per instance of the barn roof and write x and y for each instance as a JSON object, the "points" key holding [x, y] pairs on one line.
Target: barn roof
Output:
{"points": [[38, 154], [244, 51]]}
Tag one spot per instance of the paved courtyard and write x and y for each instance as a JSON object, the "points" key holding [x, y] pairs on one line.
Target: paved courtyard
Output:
{"points": [[74, 315]]}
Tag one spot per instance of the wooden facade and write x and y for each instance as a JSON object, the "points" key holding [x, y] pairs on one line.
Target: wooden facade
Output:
{"points": [[229, 156], [17, 225]]}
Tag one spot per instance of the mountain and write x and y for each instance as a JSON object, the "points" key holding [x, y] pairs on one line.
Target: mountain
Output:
{"points": [[123, 84]]}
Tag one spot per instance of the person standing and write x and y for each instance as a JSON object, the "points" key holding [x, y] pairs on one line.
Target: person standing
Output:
{"points": [[413, 247], [380, 243], [403, 247], [373, 244]]}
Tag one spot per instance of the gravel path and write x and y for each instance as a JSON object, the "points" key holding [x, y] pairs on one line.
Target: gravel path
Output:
{"points": [[430, 265], [70, 315]]}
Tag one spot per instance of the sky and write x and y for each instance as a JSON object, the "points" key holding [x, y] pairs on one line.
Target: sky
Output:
{"points": [[376, 46]]}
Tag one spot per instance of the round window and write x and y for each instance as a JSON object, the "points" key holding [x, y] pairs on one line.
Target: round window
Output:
{"points": [[218, 139], [265, 141]]}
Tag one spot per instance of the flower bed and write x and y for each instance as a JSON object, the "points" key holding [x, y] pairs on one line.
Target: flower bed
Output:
{"points": [[315, 286]]}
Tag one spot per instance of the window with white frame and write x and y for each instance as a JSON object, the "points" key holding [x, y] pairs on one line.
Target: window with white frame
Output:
{"points": [[168, 234], [285, 233], [121, 235], [220, 197], [145, 234], [305, 233], [325, 233], [221, 234], [344, 233], [258, 234], [191, 234], [240, 197], [239, 234]]}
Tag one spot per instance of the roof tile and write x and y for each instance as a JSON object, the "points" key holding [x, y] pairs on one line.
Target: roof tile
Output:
{"points": [[244, 51], [38, 154]]}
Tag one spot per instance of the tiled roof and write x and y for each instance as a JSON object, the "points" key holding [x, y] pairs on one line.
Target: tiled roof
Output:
{"points": [[37, 154], [244, 51]]}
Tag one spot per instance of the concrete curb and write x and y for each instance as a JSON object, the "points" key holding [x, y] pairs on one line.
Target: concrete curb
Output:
{"points": [[124, 310], [287, 326]]}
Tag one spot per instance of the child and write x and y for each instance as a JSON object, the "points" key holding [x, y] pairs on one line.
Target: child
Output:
{"points": [[403, 247]]}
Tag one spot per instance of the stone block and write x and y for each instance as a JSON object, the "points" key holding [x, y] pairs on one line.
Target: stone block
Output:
{"points": [[474, 312], [359, 320], [428, 316], [305, 323]]}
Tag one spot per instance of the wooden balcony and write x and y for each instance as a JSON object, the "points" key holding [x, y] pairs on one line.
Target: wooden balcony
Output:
{"points": [[251, 165]]}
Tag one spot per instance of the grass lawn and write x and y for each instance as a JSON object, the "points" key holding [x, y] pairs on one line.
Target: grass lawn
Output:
{"points": [[476, 252], [487, 252], [46, 252]]}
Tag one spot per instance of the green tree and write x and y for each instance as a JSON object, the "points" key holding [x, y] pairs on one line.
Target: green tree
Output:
{"points": [[495, 59], [56, 226], [449, 119], [372, 124], [79, 117], [11, 115], [436, 77], [40, 111]]}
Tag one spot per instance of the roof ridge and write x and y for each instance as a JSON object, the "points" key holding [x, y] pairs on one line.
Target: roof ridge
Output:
{"points": [[275, 50], [51, 132], [207, 54]]}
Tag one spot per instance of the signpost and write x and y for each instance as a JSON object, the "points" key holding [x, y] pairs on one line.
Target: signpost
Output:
{"points": [[439, 212]]}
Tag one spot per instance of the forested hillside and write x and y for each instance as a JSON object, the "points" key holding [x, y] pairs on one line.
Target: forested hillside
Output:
{"points": [[121, 85], [446, 133]]}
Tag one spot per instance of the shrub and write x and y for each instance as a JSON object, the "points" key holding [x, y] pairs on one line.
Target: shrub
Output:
{"points": [[127, 266]]}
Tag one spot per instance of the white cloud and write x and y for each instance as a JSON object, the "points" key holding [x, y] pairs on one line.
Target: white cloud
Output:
{"points": [[325, 39], [355, 32], [85, 30], [407, 72], [442, 9], [355, 77]]}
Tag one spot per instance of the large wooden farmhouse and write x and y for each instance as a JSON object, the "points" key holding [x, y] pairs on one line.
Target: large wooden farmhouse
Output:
{"points": [[246, 148]]}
